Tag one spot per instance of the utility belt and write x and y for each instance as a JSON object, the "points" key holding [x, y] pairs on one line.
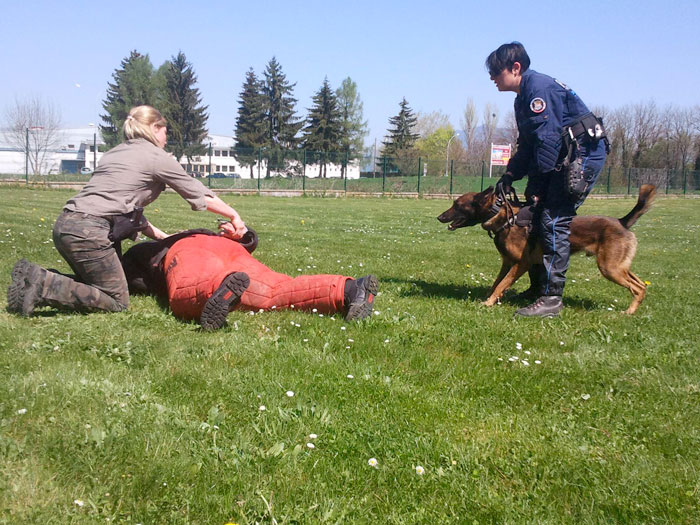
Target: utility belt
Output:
{"points": [[589, 129]]}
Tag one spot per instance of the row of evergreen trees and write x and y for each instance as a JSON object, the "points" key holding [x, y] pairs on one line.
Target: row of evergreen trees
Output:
{"points": [[334, 128]]}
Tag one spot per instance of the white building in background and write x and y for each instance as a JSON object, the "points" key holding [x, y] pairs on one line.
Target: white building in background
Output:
{"points": [[76, 149]]}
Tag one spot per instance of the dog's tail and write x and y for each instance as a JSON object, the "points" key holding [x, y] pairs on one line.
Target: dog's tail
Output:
{"points": [[646, 196]]}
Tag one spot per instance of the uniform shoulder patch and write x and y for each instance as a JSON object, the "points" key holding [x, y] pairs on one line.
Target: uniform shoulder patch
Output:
{"points": [[538, 105], [561, 84]]}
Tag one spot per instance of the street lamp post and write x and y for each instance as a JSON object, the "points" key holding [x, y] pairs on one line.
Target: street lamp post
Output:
{"points": [[94, 146], [447, 153]]}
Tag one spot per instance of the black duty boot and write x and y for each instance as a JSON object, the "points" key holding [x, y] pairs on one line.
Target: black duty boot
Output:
{"points": [[24, 293], [226, 296], [545, 306], [535, 272], [360, 305]]}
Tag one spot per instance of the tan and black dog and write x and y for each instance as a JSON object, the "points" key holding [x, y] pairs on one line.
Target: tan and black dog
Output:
{"points": [[609, 239]]}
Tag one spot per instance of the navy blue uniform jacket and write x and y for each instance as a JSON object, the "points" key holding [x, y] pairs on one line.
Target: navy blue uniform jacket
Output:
{"points": [[543, 108]]}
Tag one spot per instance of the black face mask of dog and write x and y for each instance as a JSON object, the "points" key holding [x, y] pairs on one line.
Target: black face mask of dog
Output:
{"points": [[467, 210]]}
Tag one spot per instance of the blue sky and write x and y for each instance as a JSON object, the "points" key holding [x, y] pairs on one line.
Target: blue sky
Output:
{"points": [[611, 53]]}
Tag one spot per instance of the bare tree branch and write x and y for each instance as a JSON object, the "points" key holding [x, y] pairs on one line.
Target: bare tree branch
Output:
{"points": [[33, 125]]}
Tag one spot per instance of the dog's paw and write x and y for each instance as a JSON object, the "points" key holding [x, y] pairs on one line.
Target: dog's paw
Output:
{"points": [[490, 301]]}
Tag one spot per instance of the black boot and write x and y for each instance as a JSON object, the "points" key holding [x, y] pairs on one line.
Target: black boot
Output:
{"points": [[226, 296], [545, 306], [25, 292], [535, 272], [360, 306]]}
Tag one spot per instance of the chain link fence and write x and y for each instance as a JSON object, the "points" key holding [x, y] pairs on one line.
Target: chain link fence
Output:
{"points": [[337, 172]]}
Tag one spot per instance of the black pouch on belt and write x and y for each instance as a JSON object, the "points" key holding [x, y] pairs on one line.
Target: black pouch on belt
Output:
{"points": [[127, 225], [576, 183]]}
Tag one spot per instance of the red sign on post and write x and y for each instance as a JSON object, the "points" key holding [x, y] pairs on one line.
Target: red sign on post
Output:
{"points": [[500, 155]]}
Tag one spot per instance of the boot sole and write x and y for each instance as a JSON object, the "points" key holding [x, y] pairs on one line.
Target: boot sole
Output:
{"points": [[15, 292], [217, 307], [364, 309]]}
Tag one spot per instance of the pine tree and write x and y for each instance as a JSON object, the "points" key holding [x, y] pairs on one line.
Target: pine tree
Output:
{"points": [[354, 127], [398, 145], [401, 136], [183, 109], [281, 124], [132, 86], [250, 124], [323, 132]]}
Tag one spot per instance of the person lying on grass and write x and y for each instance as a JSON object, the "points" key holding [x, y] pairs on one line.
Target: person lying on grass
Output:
{"points": [[109, 209], [204, 276]]}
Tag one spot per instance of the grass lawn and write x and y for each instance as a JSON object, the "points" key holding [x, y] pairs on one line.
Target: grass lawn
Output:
{"points": [[137, 417]]}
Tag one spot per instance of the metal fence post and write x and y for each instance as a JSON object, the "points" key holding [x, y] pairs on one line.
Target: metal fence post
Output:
{"points": [[629, 179], [483, 169], [259, 164], [419, 170], [452, 166], [209, 165], [26, 159], [345, 171], [383, 173], [303, 175], [668, 179], [685, 180], [609, 169]]}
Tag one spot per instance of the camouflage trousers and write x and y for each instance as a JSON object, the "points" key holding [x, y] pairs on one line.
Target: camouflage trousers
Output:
{"points": [[99, 282]]}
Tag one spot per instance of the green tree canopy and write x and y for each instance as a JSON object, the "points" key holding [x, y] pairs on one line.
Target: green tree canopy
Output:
{"points": [[183, 109], [250, 132], [401, 136], [323, 132], [132, 85], [282, 125], [352, 118]]}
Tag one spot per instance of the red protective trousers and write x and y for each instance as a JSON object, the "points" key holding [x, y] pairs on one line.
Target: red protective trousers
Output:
{"points": [[195, 266]]}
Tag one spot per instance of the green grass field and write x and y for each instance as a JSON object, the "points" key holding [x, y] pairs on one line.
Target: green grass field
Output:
{"points": [[139, 418]]}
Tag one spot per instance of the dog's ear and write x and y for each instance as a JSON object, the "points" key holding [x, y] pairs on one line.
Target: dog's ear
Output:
{"points": [[484, 195]]}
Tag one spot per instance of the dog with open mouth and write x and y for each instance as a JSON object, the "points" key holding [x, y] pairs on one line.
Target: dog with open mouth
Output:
{"points": [[608, 238]]}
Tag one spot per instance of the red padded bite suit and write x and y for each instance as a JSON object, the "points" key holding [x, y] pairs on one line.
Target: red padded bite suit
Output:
{"points": [[195, 267]]}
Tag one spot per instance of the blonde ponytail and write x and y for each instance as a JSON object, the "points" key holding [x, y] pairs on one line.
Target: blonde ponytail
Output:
{"points": [[138, 123]]}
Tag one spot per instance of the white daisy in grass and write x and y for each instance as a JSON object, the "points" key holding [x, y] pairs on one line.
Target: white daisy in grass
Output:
{"points": [[514, 358], [262, 408], [350, 376], [420, 470], [585, 397], [538, 362], [314, 310], [527, 352], [290, 393], [518, 346], [22, 411], [310, 445], [79, 502], [525, 363], [312, 436], [342, 328], [372, 462]]}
